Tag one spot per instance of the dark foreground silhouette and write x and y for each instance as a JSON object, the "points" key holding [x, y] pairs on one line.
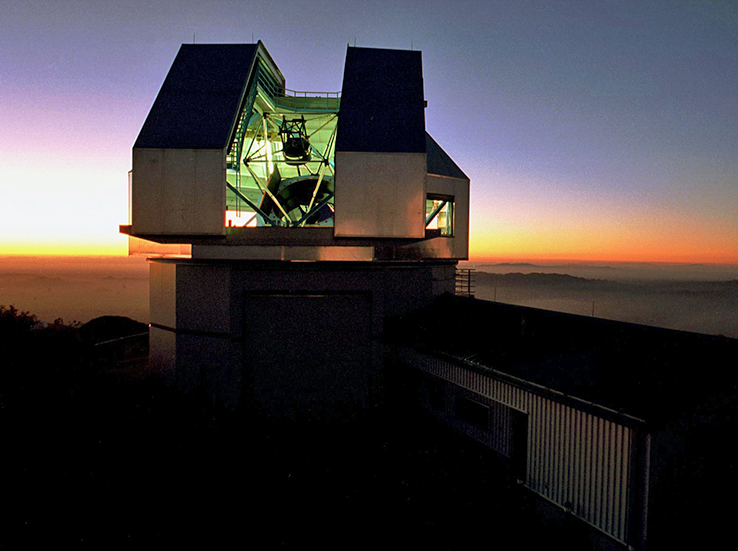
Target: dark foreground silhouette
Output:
{"points": [[98, 454], [101, 454]]}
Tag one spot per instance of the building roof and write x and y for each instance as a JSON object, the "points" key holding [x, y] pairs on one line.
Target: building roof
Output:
{"points": [[199, 101], [438, 161], [647, 372], [382, 103]]}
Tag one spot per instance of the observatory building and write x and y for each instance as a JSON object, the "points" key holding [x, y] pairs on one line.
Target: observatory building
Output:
{"points": [[299, 244], [283, 227]]}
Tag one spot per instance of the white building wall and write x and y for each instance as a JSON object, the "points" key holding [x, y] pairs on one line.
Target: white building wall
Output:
{"points": [[575, 459], [178, 192], [163, 294], [380, 194]]}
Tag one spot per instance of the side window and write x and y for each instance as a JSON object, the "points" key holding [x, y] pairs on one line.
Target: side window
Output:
{"points": [[439, 214], [473, 412]]}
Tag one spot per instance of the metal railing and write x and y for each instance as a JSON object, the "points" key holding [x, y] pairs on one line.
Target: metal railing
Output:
{"points": [[465, 282], [287, 97], [323, 102], [286, 92]]}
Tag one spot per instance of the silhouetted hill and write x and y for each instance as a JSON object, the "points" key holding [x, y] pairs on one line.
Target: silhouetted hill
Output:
{"points": [[527, 265], [537, 279], [569, 282], [618, 271], [106, 328]]}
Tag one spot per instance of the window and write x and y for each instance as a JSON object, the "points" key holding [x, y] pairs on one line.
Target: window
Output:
{"points": [[473, 412], [439, 214]]}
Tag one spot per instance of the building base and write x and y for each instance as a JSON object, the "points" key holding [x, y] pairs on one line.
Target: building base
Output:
{"points": [[289, 340]]}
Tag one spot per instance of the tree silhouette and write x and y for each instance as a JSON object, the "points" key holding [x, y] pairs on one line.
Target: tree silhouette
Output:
{"points": [[12, 319]]}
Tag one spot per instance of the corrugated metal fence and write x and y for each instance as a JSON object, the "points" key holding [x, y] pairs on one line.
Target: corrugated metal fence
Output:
{"points": [[576, 459]]}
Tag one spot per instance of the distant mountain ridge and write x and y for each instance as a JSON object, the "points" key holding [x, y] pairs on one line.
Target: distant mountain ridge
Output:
{"points": [[544, 267], [566, 281], [622, 272], [538, 279]]}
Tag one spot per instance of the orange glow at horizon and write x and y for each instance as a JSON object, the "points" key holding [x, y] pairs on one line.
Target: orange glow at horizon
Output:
{"points": [[520, 248], [605, 245], [64, 249], [516, 217], [63, 208]]}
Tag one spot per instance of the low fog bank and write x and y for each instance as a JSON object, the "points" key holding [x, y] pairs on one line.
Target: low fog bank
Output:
{"points": [[76, 288], [700, 306]]}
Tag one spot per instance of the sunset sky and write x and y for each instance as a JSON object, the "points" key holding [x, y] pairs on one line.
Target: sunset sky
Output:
{"points": [[590, 130]]}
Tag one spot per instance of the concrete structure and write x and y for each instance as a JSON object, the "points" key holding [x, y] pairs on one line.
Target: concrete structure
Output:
{"points": [[283, 227]]}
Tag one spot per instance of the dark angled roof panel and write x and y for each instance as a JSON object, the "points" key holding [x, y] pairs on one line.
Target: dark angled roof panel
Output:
{"points": [[649, 372], [199, 100], [382, 102], [439, 162]]}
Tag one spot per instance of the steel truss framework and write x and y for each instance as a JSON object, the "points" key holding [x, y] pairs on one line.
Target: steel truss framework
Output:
{"points": [[275, 189]]}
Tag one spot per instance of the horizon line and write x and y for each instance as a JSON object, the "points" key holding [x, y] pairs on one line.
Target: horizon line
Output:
{"points": [[491, 261]]}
